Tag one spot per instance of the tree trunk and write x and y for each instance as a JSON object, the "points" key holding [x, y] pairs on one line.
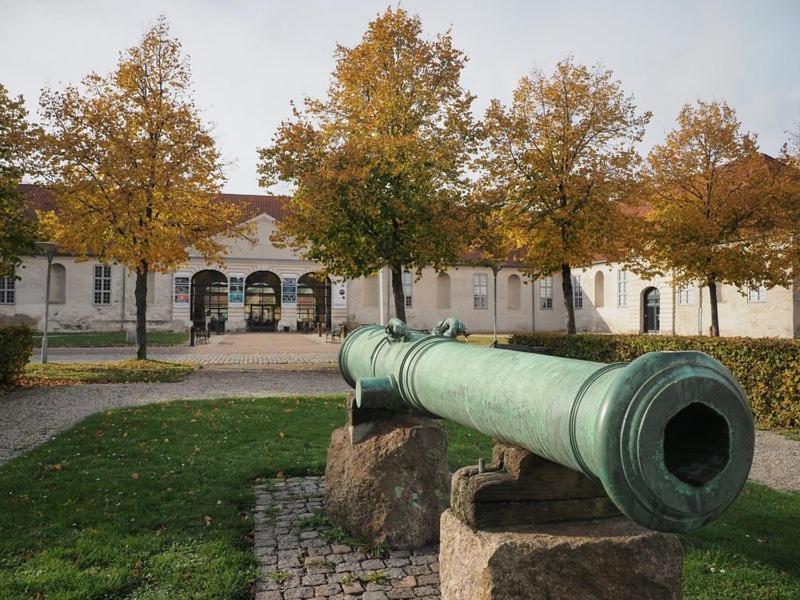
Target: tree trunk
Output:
{"points": [[569, 305], [141, 310], [397, 292], [712, 293]]}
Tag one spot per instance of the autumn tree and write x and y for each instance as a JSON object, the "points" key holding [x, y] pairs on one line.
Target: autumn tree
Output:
{"points": [[16, 230], [719, 211], [133, 169], [379, 165], [560, 166]]}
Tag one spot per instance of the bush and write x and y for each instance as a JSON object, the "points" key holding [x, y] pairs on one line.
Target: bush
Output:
{"points": [[767, 368], [16, 345]]}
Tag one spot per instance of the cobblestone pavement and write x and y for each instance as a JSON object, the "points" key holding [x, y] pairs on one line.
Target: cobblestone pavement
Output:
{"points": [[31, 416], [228, 349], [297, 561], [278, 358]]}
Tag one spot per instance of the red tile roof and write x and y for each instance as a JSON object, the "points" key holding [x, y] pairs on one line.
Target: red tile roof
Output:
{"points": [[38, 197]]}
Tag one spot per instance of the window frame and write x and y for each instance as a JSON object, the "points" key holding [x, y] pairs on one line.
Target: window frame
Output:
{"points": [[480, 291], [622, 288], [8, 290], [408, 289], [104, 278], [685, 294], [577, 292], [760, 294], [546, 293]]}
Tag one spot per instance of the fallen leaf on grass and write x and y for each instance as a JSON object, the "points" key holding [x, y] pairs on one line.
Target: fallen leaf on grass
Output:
{"points": [[207, 520], [134, 476], [137, 568]]}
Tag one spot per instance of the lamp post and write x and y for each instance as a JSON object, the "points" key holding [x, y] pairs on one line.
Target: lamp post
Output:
{"points": [[48, 249]]}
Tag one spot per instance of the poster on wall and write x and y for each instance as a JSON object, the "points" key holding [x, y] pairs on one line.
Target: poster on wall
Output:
{"points": [[181, 290], [339, 295], [289, 294], [236, 290]]}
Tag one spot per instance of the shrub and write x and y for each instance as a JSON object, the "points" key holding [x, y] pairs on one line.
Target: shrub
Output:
{"points": [[767, 368], [16, 345]]}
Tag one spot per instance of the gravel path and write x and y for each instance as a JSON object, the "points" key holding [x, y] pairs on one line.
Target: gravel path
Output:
{"points": [[31, 416], [776, 462]]}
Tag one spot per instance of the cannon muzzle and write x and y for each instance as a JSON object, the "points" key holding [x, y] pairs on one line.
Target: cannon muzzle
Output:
{"points": [[669, 435]]}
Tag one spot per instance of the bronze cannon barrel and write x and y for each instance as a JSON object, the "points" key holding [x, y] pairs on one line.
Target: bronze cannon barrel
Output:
{"points": [[669, 436]]}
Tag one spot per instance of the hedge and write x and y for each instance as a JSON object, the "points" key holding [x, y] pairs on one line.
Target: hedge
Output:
{"points": [[767, 368], [16, 345]]}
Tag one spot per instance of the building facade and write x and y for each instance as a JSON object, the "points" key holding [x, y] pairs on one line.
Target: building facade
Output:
{"points": [[263, 288]]}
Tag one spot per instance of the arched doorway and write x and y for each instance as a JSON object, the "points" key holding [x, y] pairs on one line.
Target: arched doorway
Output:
{"points": [[262, 301], [651, 303], [210, 299], [313, 302]]}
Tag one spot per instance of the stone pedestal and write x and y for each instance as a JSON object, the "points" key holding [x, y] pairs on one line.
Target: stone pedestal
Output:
{"points": [[611, 559], [388, 481]]}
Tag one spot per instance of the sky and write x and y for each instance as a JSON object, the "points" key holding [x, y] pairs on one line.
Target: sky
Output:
{"points": [[250, 59]]}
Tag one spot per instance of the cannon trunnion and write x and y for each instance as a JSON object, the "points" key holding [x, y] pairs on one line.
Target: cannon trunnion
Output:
{"points": [[669, 436]]}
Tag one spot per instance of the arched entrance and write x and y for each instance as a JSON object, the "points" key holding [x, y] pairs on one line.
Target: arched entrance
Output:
{"points": [[262, 301], [313, 302], [651, 303], [210, 299]]}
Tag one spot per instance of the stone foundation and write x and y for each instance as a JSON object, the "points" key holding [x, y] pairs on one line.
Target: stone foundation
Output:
{"points": [[388, 481], [607, 559]]}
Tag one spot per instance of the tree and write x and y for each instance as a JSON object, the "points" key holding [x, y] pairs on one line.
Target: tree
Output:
{"points": [[379, 165], [133, 169], [720, 213], [17, 231], [560, 165]]}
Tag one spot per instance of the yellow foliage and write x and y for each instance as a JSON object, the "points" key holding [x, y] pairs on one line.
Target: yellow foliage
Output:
{"points": [[134, 171]]}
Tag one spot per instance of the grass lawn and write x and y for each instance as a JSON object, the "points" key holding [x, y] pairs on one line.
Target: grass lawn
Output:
{"points": [[123, 371], [83, 339], [154, 501]]}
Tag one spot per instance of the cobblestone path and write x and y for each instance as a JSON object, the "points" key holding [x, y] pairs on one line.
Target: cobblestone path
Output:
{"points": [[297, 561]]}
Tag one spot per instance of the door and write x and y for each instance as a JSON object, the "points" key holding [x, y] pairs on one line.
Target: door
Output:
{"points": [[652, 309]]}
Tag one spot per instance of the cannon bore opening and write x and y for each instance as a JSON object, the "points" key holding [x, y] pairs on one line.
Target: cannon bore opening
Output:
{"points": [[696, 444]]}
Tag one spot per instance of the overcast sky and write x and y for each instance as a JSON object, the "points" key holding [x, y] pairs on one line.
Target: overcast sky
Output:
{"points": [[249, 59]]}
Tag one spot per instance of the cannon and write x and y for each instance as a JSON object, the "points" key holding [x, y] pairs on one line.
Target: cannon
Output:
{"points": [[669, 436]]}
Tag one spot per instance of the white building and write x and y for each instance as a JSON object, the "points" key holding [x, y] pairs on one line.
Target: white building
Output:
{"points": [[261, 287]]}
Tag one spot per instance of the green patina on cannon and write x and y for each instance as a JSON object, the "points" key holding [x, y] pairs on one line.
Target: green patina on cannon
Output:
{"points": [[669, 436]]}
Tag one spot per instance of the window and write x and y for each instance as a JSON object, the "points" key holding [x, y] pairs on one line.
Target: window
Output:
{"points": [[577, 292], [443, 290], [7, 290], [622, 288], [685, 294], [546, 293], [514, 292], [102, 284], [181, 295], [480, 296], [407, 288], [757, 294], [58, 284]]}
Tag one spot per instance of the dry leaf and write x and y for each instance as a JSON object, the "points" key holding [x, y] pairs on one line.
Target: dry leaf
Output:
{"points": [[207, 520], [134, 476]]}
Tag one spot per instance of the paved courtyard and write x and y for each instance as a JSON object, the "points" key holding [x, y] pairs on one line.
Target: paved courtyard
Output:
{"points": [[227, 349]]}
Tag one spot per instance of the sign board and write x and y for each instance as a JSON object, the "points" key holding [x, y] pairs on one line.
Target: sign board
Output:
{"points": [[236, 290], [181, 289], [289, 290], [339, 295]]}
